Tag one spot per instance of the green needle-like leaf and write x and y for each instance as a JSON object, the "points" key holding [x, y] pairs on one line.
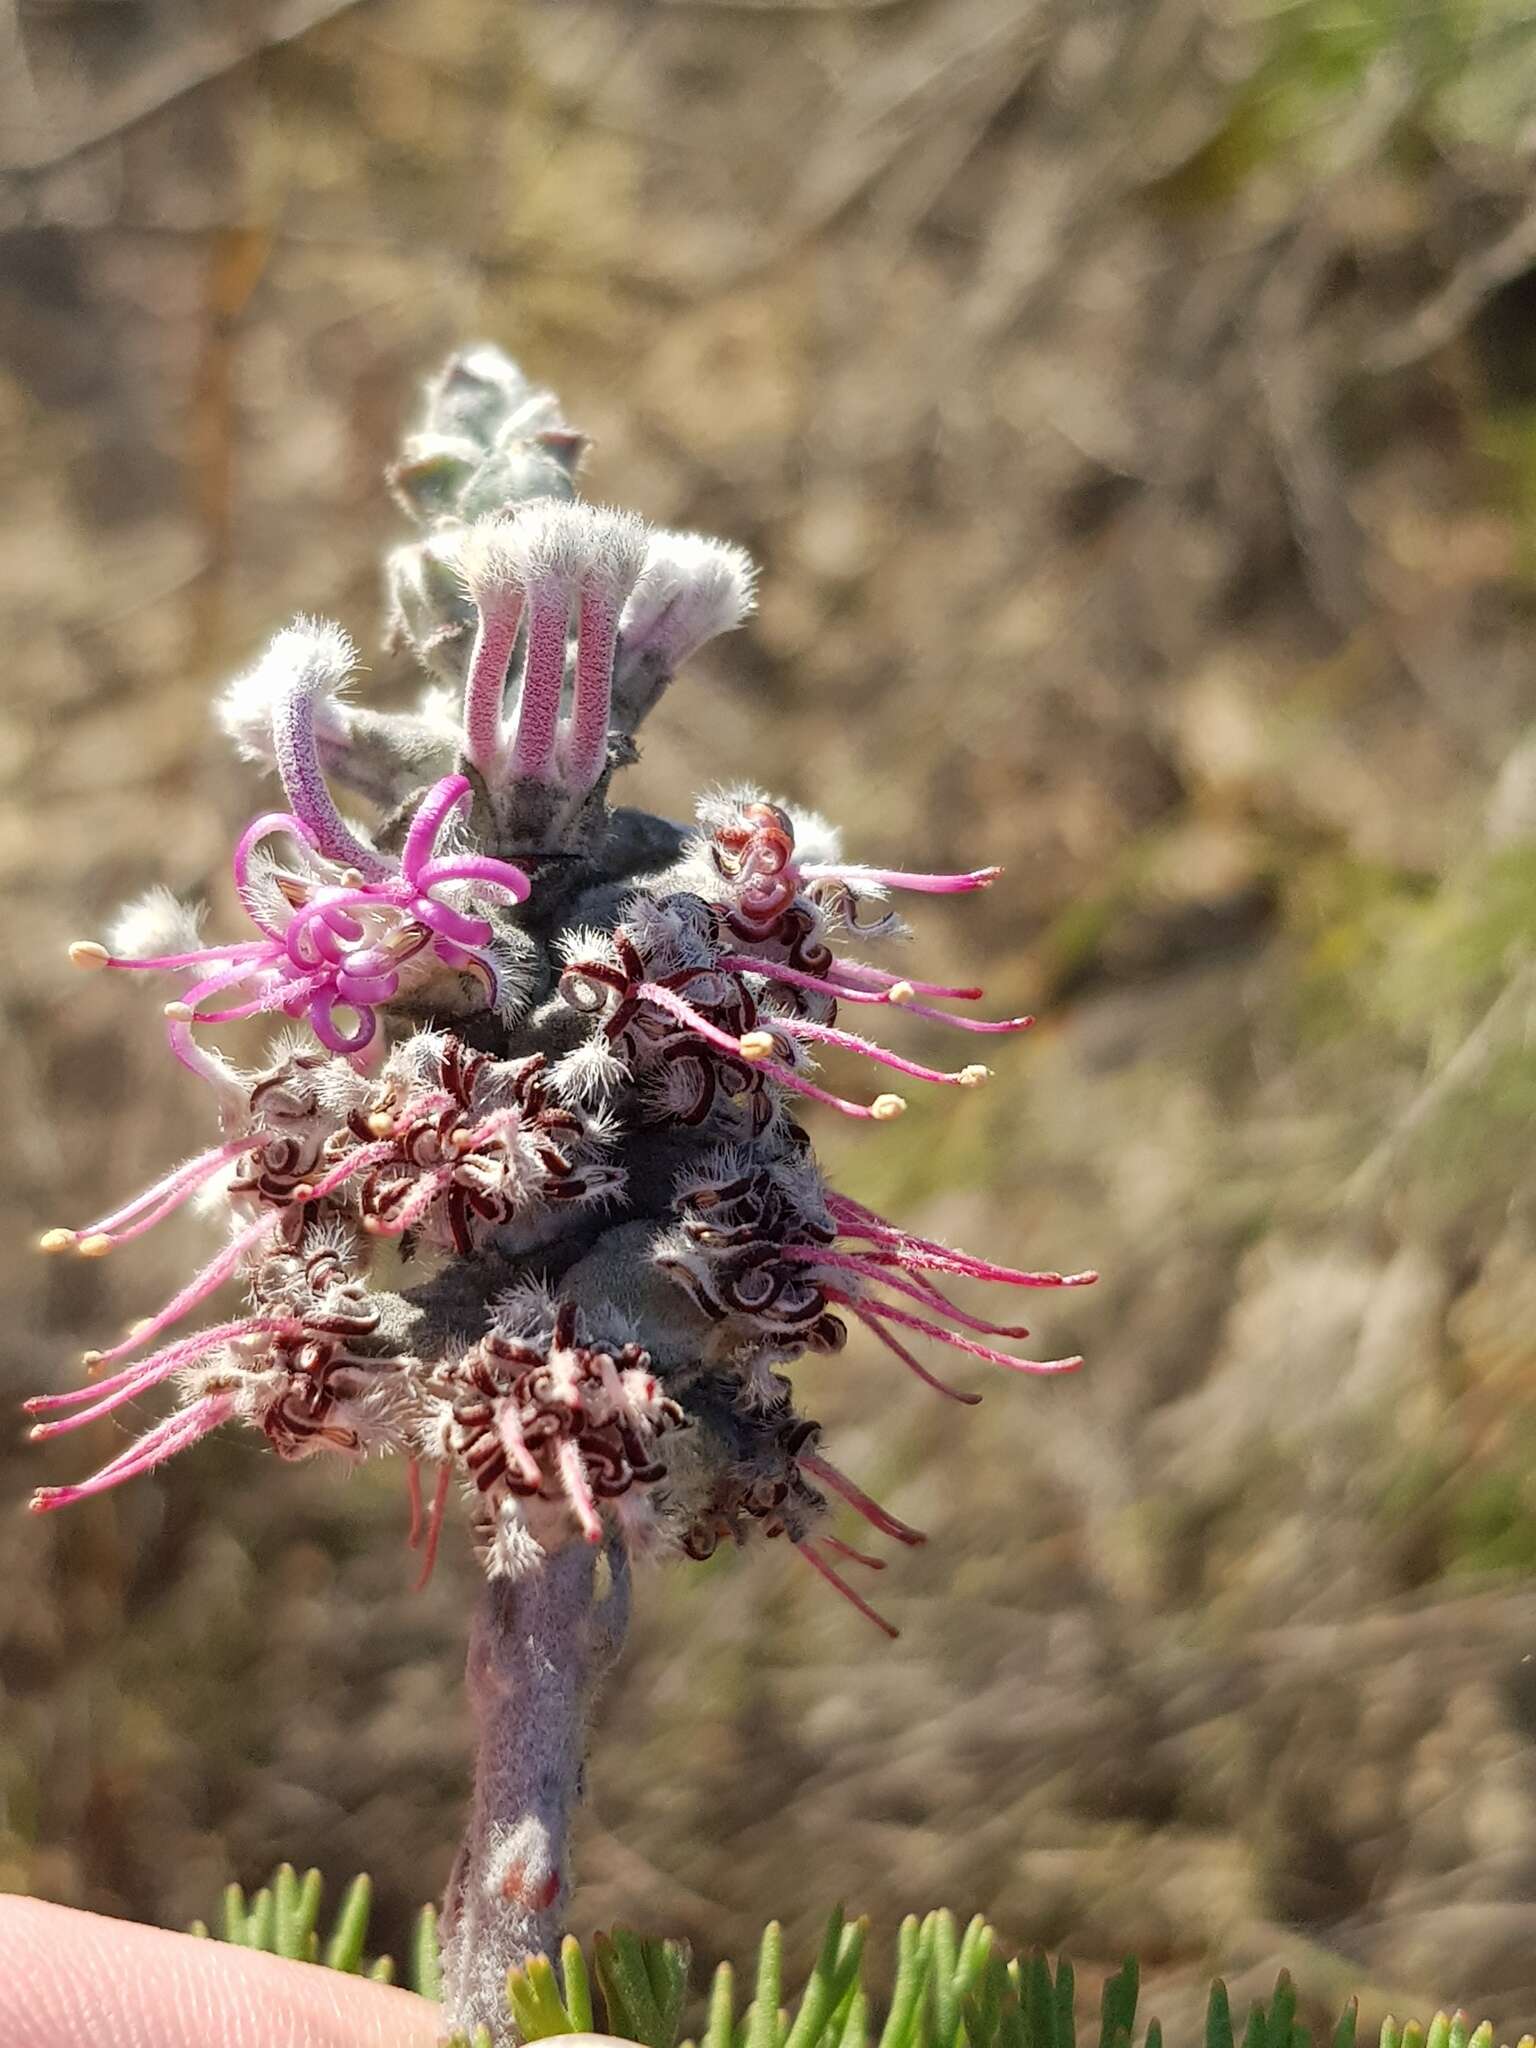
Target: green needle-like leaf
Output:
{"points": [[763, 2019], [1066, 2004], [534, 1996], [909, 1986], [984, 2008], [626, 1987], [287, 1934], [235, 1917], [426, 1961], [1039, 2000], [946, 1964], [854, 2032], [821, 1991], [311, 1891], [1218, 2017], [1117, 2007], [667, 1965], [578, 1985], [344, 1950], [952, 1988], [1282, 2013], [263, 1920], [720, 2029]]}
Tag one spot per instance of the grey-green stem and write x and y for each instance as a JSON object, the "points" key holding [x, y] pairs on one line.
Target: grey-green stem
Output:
{"points": [[539, 1647]]}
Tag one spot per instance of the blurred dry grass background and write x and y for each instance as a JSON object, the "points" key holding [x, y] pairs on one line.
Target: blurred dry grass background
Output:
{"points": [[1133, 404]]}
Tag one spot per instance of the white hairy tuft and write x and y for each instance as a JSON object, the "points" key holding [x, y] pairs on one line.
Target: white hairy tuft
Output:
{"points": [[155, 923], [818, 843], [552, 545], [313, 658]]}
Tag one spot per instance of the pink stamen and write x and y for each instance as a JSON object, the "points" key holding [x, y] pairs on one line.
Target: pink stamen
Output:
{"points": [[413, 1495], [203, 957], [900, 878], [365, 1155], [872, 1268], [882, 977], [479, 868], [854, 1220], [173, 1356], [267, 826], [432, 814], [434, 1528], [796, 977], [669, 1000], [509, 1430], [848, 992], [842, 1549], [280, 996], [169, 1192], [850, 1041], [573, 1475], [178, 1432], [940, 1335], [912, 1364], [814, 1558], [110, 1393], [978, 1024], [198, 1288], [878, 1517]]}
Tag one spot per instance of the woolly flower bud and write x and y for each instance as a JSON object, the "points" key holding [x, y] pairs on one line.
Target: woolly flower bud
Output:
{"points": [[432, 474], [480, 391], [312, 658], [690, 590]]}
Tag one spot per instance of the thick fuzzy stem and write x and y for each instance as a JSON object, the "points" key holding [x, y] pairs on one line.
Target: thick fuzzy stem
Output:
{"points": [[540, 1645]]}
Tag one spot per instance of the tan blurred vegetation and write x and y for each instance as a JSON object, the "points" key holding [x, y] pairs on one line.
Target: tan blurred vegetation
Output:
{"points": [[1133, 405]]}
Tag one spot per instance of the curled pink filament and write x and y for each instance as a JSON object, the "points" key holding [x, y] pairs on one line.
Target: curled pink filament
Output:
{"points": [[338, 947]]}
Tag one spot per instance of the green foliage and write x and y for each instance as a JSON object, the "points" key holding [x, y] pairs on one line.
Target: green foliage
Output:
{"points": [[1467, 69], [951, 1987], [283, 1919]]}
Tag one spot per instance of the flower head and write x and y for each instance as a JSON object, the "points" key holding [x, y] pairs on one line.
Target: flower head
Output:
{"points": [[523, 1195]]}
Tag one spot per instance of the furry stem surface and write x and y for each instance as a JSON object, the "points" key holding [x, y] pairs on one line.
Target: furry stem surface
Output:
{"points": [[539, 1647]]}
